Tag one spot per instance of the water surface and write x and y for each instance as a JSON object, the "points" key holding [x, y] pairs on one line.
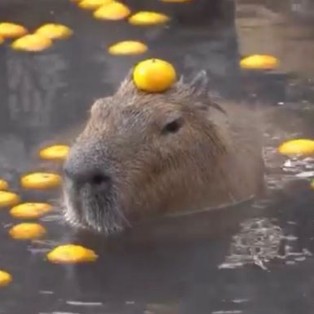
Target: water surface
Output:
{"points": [[256, 261]]}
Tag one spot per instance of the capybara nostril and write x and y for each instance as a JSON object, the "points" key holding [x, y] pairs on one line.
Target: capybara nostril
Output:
{"points": [[82, 174], [100, 180]]}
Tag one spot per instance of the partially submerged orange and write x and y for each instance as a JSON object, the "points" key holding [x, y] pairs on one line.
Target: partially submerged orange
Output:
{"points": [[54, 31], [41, 180], [32, 42], [5, 278], [54, 152], [30, 210], [4, 185], [127, 47], [259, 62], [12, 30], [93, 4], [71, 253], [8, 199], [27, 231], [300, 147], [148, 18], [112, 11]]}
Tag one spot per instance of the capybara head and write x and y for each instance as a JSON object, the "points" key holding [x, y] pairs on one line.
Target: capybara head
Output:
{"points": [[143, 154]]}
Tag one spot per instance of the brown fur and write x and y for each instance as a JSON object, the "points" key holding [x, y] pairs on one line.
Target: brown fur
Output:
{"points": [[215, 158]]}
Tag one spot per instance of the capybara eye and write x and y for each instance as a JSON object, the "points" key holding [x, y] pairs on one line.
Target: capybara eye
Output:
{"points": [[173, 126]]}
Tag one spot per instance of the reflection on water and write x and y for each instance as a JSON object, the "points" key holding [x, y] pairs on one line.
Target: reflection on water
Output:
{"points": [[45, 97]]}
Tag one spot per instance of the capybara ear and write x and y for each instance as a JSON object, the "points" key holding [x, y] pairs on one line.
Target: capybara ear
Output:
{"points": [[199, 84], [198, 87]]}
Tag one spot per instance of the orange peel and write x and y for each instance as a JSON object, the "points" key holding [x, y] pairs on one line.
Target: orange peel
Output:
{"points": [[32, 43], [27, 231], [127, 47], [154, 75], [30, 210], [112, 11], [93, 4], [8, 199], [41, 180], [143, 18], [54, 31], [12, 30], [259, 62], [54, 152], [5, 278], [300, 147], [4, 185], [71, 253]]}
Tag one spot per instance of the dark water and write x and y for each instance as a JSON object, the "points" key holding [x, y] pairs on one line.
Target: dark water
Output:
{"points": [[249, 264]]}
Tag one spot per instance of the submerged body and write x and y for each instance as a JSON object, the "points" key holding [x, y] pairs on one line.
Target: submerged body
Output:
{"points": [[144, 155]]}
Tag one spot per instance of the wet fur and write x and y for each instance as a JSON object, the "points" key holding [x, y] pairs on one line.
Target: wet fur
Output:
{"points": [[214, 159]]}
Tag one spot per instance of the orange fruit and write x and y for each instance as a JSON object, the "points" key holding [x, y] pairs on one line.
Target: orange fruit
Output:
{"points": [[93, 4], [54, 31], [71, 253], [32, 42], [128, 47], [30, 210], [12, 30], [148, 18], [3, 184], [41, 180], [54, 152], [302, 147], [112, 11], [154, 75], [259, 62], [5, 278], [8, 199], [27, 231]]}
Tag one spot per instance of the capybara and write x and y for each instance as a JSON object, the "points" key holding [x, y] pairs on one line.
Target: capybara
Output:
{"points": [[143, 155]]}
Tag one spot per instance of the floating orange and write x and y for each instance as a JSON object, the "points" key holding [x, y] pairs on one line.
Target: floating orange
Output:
{"points": [[154, 75], [41, 180], [259, 62], [3, 184], [30, 210], [8, 199], [12, 30], [148, 18], [5, 278], [302, 147], [112, 11], [27, 231], [54, 152], [71, 253], [54, 31], [128, 47], [93, 4], [32, 42]]}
